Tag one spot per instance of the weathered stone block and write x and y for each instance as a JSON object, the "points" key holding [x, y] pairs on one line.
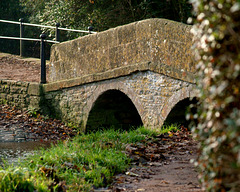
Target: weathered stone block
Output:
{"points": [[126, 33], [102, 40], [144, 51], [158, 51], [34, 89], [144, 29], [130, 53], [115, 57]]}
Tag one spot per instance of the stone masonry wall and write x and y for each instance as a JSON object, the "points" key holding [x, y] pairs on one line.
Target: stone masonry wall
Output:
{"points": [[21, 94], [163, 43], [150, 92]]}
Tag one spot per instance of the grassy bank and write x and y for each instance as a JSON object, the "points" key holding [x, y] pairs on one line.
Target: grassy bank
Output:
{"points": [[86, 161]]}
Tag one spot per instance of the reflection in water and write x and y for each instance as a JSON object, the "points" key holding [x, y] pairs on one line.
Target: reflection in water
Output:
{"points": [[11, 151]]}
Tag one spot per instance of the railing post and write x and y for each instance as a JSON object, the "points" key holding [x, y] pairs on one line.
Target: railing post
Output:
{"points": [[42, 56], [90, 29], [21, 36], [57, 34]]}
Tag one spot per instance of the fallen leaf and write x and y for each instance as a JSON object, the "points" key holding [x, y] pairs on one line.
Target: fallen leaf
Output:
{"points": [[132, 174]]}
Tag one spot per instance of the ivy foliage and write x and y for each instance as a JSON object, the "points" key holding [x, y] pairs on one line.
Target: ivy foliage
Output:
{"points": [[217, 50]]}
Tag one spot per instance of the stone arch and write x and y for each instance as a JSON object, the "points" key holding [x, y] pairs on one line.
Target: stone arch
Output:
{"points": [[178, 113], [113, 108], [115, 87], [181, 97]]}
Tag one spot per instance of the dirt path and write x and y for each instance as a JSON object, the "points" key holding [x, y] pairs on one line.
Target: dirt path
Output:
{"points": [[13, 67], [172, 172]]}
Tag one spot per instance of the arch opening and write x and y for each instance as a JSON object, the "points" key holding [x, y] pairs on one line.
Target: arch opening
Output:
{"points": [[114, 109], [178, 113]]}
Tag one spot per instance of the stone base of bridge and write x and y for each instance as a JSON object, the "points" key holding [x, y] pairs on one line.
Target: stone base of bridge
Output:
{"points": [[140, 98]]}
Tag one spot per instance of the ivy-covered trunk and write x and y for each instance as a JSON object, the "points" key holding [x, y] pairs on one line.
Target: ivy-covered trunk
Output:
{"points": [[217, 50]]}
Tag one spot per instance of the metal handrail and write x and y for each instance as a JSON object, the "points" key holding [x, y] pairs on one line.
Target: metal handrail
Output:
{"points": [[46, 26], [38, 25], [42, 40], [27, 39], [12, 22], [57, 34], [76, 30]]}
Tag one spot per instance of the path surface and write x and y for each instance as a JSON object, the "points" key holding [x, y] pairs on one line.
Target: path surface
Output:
{"points": [[172, 172], [13, 67]]}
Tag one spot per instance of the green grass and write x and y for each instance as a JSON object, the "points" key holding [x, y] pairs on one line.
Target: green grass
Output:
{"points": [[170, 128], [76, 165]]}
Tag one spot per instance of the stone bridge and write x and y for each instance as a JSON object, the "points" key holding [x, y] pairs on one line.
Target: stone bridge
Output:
{"points": [[126, 76]]}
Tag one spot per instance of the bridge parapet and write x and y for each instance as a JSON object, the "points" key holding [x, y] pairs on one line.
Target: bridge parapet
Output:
{"points": [[165, 45]]}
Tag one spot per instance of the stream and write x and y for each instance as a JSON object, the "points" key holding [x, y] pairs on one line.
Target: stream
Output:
{"points": [[10, 152]]}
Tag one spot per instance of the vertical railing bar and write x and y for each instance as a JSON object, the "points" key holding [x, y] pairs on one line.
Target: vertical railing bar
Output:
{"points": [[57, 33], [43, 60], [21, 36], [90, 29]]}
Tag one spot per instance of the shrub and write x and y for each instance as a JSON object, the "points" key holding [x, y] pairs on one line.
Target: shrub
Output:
{"points": [[217, 51]]}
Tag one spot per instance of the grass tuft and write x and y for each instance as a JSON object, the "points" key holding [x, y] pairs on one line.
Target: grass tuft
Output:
{"points": [[170, 128]]}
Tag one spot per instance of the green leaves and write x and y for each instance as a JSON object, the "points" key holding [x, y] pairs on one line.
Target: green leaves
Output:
{"points": [[103, 14], [14, 179], [216, 33]]}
